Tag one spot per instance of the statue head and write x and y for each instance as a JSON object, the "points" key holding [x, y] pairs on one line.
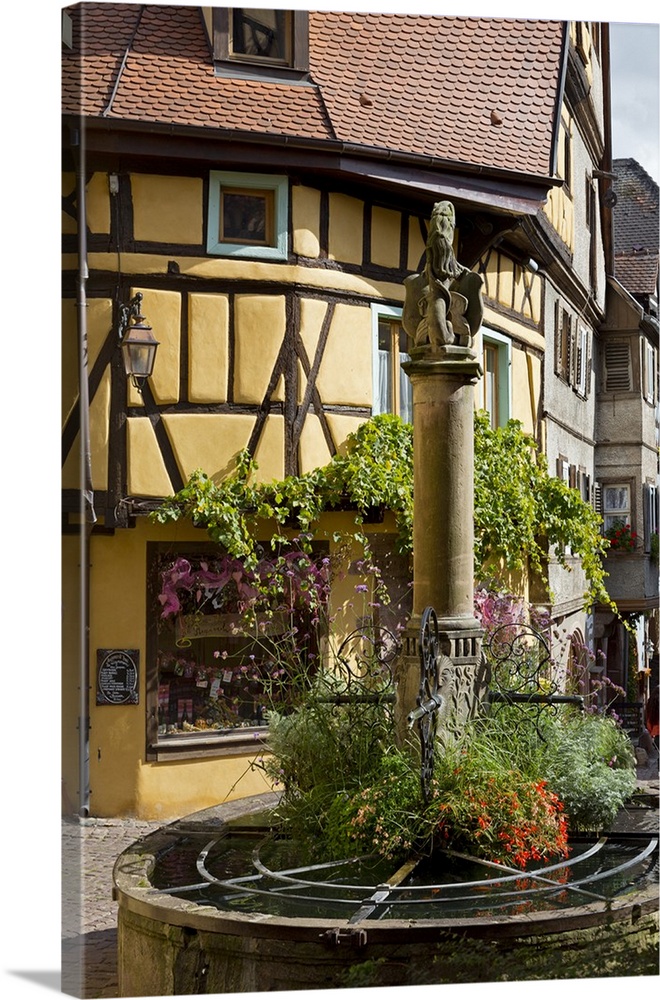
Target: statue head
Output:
{"points": [[440, 242]]}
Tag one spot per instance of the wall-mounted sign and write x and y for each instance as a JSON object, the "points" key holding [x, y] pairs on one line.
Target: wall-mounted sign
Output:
{"points": [[117, 676]]}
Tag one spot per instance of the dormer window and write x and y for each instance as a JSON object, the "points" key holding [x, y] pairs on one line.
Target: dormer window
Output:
{"points": [[260, 34], [255, 42]]}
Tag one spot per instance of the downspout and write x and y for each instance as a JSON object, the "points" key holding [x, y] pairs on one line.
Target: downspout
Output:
{"points": [[87, 514]]}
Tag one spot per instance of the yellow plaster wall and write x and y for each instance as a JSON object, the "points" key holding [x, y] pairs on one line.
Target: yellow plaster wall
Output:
{"points": [[98, 203], [260, 322], [341, 425], [122, 782], [225, 268], [385, 237], [208, 325], [71, 604], [559, 206], [305, 215], [345, 375], [345, 231], [169, 791], [312, 315], [505, 289], [69, 381], [118, 615], [162, 311], [525, 388], [99, 425], [211, 441], [416, 245], [508, 285], [269, 454], [99, 327], [313, 449], [99, 412], [99, 324], [167, 209], [147, 475]]}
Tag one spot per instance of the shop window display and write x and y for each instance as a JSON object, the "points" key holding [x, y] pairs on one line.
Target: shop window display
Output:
{"points": [[233, 639]]}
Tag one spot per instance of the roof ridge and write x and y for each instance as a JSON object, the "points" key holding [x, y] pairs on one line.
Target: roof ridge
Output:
{"points": [[636, 168]]}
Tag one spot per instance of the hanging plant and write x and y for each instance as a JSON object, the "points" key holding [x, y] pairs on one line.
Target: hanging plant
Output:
{"points": [[520, 510]]}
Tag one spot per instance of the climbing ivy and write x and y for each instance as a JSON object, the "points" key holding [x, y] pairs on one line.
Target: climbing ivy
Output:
{"points": [[520, 510]]}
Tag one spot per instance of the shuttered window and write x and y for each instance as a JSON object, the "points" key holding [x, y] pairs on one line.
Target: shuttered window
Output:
{"points": [[618, 369]]}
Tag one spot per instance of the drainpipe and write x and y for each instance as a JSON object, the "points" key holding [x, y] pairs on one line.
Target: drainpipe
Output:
{"points": [[87, 514]]}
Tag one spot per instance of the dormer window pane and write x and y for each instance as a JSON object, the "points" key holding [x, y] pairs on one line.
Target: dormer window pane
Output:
{"points": [[261, 34]]}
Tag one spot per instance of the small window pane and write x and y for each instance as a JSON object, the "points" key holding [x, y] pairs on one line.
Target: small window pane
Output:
{"points": [[617, 498], [246, 217], [260, 33]]}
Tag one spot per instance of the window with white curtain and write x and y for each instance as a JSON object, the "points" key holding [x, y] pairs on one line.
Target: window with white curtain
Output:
{"points": [[392, 389]]}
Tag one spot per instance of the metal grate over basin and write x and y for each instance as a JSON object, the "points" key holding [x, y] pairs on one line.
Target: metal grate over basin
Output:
{"points": [[250, 869]]}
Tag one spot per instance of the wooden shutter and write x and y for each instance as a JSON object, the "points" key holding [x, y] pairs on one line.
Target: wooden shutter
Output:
{"points": [[618, 371]]}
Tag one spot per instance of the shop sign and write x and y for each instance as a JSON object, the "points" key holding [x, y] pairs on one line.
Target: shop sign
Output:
{"points": [[117, 675]]}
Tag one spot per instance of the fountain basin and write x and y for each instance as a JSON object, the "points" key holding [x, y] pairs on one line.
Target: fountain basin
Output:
{"points": [[210, 905]]}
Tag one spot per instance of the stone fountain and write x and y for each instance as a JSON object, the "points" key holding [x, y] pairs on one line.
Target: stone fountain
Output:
{"points": [[218, 903]]}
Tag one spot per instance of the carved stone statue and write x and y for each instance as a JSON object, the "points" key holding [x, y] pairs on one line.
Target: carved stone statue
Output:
{"points": [[444, 303]]}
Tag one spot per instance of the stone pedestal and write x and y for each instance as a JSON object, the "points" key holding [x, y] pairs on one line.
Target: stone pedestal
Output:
{"points": [[443, 382]]}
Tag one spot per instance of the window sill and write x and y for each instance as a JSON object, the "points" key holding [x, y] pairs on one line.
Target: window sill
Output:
{"points": [[202, 744], [273, 73]]}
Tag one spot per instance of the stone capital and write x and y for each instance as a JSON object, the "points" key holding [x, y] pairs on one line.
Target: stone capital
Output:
{"points": [[445, 360]]}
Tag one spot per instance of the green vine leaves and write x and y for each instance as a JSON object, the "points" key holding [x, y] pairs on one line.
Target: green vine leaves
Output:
{"points": [[520, 510]]}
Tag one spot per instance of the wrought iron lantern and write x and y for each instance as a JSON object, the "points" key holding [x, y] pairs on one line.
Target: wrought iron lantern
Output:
{"points": [[137, 342]]}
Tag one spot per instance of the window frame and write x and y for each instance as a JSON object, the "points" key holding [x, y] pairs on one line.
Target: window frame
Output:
{"points": [[580, 359], [627, 513], [248, 57], [503, 347], [649, 370], [226, 63], [613, 367], [381, 312], [651, 512], [189, 745], [563, 343], [277, 185]]}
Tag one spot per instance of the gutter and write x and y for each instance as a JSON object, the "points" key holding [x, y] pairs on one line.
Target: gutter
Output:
{"points": [[504, 185]]}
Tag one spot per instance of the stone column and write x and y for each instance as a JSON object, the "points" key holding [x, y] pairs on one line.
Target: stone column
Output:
{"points": [[442, 314]]}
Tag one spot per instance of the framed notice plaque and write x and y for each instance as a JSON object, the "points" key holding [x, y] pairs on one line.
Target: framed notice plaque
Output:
{"points": [[117, 676]]}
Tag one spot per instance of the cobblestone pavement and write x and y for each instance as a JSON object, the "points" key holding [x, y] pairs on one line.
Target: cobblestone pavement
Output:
{"points": [[89, 915], [89, 918]]}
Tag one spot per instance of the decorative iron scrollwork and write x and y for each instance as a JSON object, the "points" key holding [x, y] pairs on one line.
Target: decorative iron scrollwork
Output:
{"points": [[522, 673], [435, 681], [363, 667]]}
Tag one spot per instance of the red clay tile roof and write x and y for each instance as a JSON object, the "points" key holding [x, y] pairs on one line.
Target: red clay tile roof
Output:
{"points": [[638, 272], [470, 90]]}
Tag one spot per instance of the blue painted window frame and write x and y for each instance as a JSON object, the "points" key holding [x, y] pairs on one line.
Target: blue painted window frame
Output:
{"points": [[378, 312], [278, 184], [502, 345]]}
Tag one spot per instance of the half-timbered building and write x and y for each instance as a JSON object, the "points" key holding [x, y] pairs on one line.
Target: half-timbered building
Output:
{"points": [[263, 180]]}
